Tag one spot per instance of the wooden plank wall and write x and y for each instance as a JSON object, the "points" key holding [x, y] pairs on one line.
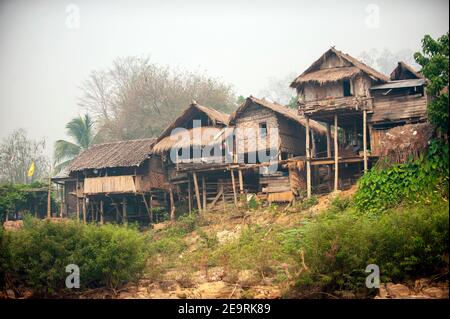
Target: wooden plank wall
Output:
{"points": [[398, 108]]}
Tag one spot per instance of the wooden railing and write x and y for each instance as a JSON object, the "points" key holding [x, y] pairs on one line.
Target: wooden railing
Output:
{"points": [[335, 103]]}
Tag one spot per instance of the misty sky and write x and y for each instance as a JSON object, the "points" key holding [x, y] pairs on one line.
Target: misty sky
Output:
{"points": [[45, 54]]}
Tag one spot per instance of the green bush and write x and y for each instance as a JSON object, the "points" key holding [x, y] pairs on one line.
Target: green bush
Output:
{"points": [[403, 242], [413, 182], [39, 253]]}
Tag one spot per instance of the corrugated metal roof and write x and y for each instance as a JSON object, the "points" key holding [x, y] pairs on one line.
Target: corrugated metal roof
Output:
{"points": [[399, 84]]}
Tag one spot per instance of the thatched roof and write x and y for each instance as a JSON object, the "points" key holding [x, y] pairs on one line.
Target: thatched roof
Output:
{"points": [[405, 142], [404, 71], [117, 154], [280, 110], [321, 76], [199, 136], [220, 118]]}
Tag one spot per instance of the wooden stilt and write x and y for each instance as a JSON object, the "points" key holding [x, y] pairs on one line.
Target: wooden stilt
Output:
{"points": [[313, 142], [146, 207], [329, 155], [189, 196], [365, 140], [241, 182], [78, 201], [308, 160], [49, 207], [78, 209], [124, 211], [197, 192], [151, 208], [204, 192], [61, 190], [336, 154], [172, 205], [328, 140], [101, 212], [84, 210], [234, 187], [223, 198], [219, 194]]}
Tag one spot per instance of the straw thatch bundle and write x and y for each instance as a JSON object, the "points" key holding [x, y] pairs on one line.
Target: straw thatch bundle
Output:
{"points": [[315, 74], [404, 143], [198, 136]]}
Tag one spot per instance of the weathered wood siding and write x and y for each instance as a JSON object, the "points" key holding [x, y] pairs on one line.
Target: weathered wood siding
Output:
{"points": [[360, 86], [251, 120], [398, 108], [292, 137]]}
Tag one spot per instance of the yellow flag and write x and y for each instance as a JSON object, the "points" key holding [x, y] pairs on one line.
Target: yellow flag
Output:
{"points": [[31, 170]]}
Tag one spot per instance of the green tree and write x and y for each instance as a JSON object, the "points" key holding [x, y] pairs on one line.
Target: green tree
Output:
{"points": [[435, 62], [81, 129]]}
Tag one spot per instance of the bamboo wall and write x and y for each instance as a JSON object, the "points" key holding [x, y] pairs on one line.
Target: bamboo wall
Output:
{"points": [[109, 184]]}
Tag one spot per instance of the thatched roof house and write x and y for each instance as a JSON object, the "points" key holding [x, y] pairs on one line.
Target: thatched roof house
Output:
{"points": [[334, 66], [211, 123], [260, 115]]}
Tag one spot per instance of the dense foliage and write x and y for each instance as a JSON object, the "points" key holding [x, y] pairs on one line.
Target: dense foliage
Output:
{"points": [[415, 181], [435, 65], [403, 242], [22, 198], [37, 255]]}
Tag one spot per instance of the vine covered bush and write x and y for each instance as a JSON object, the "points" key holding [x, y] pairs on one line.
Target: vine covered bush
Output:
{"points": [[422, 180]]}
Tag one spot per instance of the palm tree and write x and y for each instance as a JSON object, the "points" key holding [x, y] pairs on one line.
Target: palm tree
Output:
{"points": [[81, 130]]}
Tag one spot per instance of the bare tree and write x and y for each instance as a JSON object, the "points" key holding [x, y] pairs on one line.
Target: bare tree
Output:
{"points": [[385, 60], [136, 98], [17, 153], [278, 89]]}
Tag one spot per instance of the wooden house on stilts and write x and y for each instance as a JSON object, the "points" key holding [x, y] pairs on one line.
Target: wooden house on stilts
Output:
{"points": [[360, 104], [117, 182]]}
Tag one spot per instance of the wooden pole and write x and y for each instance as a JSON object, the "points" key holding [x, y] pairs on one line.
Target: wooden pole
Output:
{"points": [[308, 160], [189, 195], [328, 140], [197, 192], [124, 210], [172, 205], [61, 190], [49, 207], [241, 181], [336, 154], [204, 192], [313, 148], [78, 201], [101, 212], [147, 208], [223, 197], [84, 210], [365, 140], [234, 187], [151, 208]]}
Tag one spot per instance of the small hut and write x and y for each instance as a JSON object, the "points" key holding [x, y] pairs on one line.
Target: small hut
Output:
{"points": [[267, 132], [193, 153], [117, 181]]}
